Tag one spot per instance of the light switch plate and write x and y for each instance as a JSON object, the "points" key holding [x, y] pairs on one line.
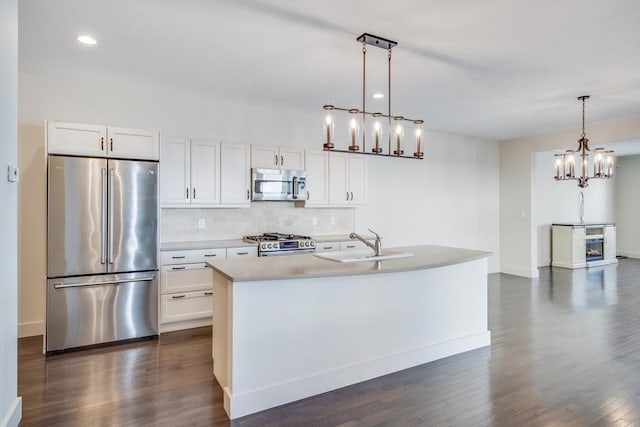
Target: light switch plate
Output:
{"points": [[13, 173]]}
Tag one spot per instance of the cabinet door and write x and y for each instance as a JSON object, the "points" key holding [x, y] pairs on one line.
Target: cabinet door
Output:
{"points": [[357, 179], [317, 167], [578, 246], [338, 179], [133, 143], [175, 187], [609, 242], [76, 138], [235, 175], [205, 172], [291, 158], [264, 157]]}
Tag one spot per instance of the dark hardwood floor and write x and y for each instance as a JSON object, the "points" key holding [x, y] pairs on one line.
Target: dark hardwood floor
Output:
{"points": [[565, 352]]}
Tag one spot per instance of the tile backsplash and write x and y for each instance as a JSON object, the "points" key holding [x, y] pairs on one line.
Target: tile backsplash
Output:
{"points": [[179, 225]]}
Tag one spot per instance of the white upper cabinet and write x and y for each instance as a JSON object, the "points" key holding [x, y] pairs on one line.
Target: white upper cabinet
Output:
{"points": [[175, 170], [271, 157], [205, 172], [316, 165], [189, 172], [347, 179], [103, 141], [132, 144], [235, 187]]}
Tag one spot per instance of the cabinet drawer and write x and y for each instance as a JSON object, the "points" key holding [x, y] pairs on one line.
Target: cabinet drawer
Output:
{"points": [[191, 256], [352, 245], [186, 306], [327, 246], [243, 252], [185, 277]]}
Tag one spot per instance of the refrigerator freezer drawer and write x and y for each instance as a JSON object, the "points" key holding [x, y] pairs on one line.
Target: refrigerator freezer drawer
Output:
{"points": [[91, 310]]}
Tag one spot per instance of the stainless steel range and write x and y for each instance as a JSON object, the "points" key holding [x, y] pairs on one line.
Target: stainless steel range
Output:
{"points": [[272, 244]]}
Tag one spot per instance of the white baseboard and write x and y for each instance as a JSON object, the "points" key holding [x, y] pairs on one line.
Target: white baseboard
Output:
{"points": [[522, 272], [30, 329], [630, 254], [300, 388], [186, 324], [14, 415]]}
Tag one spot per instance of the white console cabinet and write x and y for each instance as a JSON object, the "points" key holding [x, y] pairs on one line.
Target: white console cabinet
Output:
{"points": [[583, 245]]}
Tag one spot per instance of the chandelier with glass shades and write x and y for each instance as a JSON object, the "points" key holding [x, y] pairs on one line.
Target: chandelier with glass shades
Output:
{"points": [[357, 127], [599, 161]]}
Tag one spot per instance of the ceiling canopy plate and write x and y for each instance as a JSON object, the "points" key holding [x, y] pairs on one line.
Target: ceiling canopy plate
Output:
{"points": [[377, 41]]}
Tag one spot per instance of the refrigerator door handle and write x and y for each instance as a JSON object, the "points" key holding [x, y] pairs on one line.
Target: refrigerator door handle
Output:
{"points": [[103, 256], [110, 282], [111, 174]]}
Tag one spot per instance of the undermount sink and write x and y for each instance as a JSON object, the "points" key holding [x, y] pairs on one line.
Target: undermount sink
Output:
{"points": [[362, 255]]}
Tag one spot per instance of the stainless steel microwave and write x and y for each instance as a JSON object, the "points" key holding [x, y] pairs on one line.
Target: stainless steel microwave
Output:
{"points": [[275, 184]]}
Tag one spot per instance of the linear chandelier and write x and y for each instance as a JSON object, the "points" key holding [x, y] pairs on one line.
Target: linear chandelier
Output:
{"points": [[602, 164], [358, 117]]}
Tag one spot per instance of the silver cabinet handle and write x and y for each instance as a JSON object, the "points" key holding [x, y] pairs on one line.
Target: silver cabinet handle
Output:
{"points": [[178, 257], [102, 143], [327, 247], [103, 256], [281, 161], [187, 191], [308, 194], [208, 293], [178, 296], [194, 193], [276, 160], [352, 196], [178, 268], [294, 189], [111, 215], [347, 196], [210, 255], [112, 282], [242, 253], [247, 194], [111, 142]]}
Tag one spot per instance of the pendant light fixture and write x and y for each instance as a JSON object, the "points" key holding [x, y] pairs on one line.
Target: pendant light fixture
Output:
{"points": [[602, 162], [356, 130]]}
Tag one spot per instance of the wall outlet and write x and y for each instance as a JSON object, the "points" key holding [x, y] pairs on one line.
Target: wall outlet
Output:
{"points": [[13, 173], [201, 223], [314, 220]]}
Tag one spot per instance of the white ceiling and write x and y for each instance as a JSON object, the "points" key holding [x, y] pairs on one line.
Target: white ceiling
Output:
{"points": [[491, 69]]}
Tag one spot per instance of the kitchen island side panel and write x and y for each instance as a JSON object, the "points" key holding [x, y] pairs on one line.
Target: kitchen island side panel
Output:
{"points": [[284, 340]]}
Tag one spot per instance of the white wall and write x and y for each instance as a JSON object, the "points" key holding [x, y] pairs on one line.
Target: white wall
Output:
{"points": [[628, 206], [10, 403], [450, 198], [554, 202], [518, 230]]}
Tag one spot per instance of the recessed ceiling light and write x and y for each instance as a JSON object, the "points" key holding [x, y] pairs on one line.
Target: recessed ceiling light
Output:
{"points": [[86, 39], [378, 95]]}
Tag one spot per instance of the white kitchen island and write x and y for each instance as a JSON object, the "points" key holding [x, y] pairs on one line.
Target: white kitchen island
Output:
{"points": [[290, 327]]}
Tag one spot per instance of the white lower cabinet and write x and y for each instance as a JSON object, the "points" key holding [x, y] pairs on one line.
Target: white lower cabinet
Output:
{"points": [[186, 285], [186, 288], [327, 246], [242, 252], [186, 306]]}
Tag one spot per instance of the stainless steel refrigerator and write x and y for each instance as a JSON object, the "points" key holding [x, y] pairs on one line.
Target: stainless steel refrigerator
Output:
{"points": [[102, 237]]}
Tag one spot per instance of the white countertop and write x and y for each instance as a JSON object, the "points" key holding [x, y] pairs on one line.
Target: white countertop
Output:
{"points": [[235, 243], [308, 265], [204, 244]]}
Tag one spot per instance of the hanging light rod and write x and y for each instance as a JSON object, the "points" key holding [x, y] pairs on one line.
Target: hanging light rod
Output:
{"points": [[602, 163], [358, 116]]}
